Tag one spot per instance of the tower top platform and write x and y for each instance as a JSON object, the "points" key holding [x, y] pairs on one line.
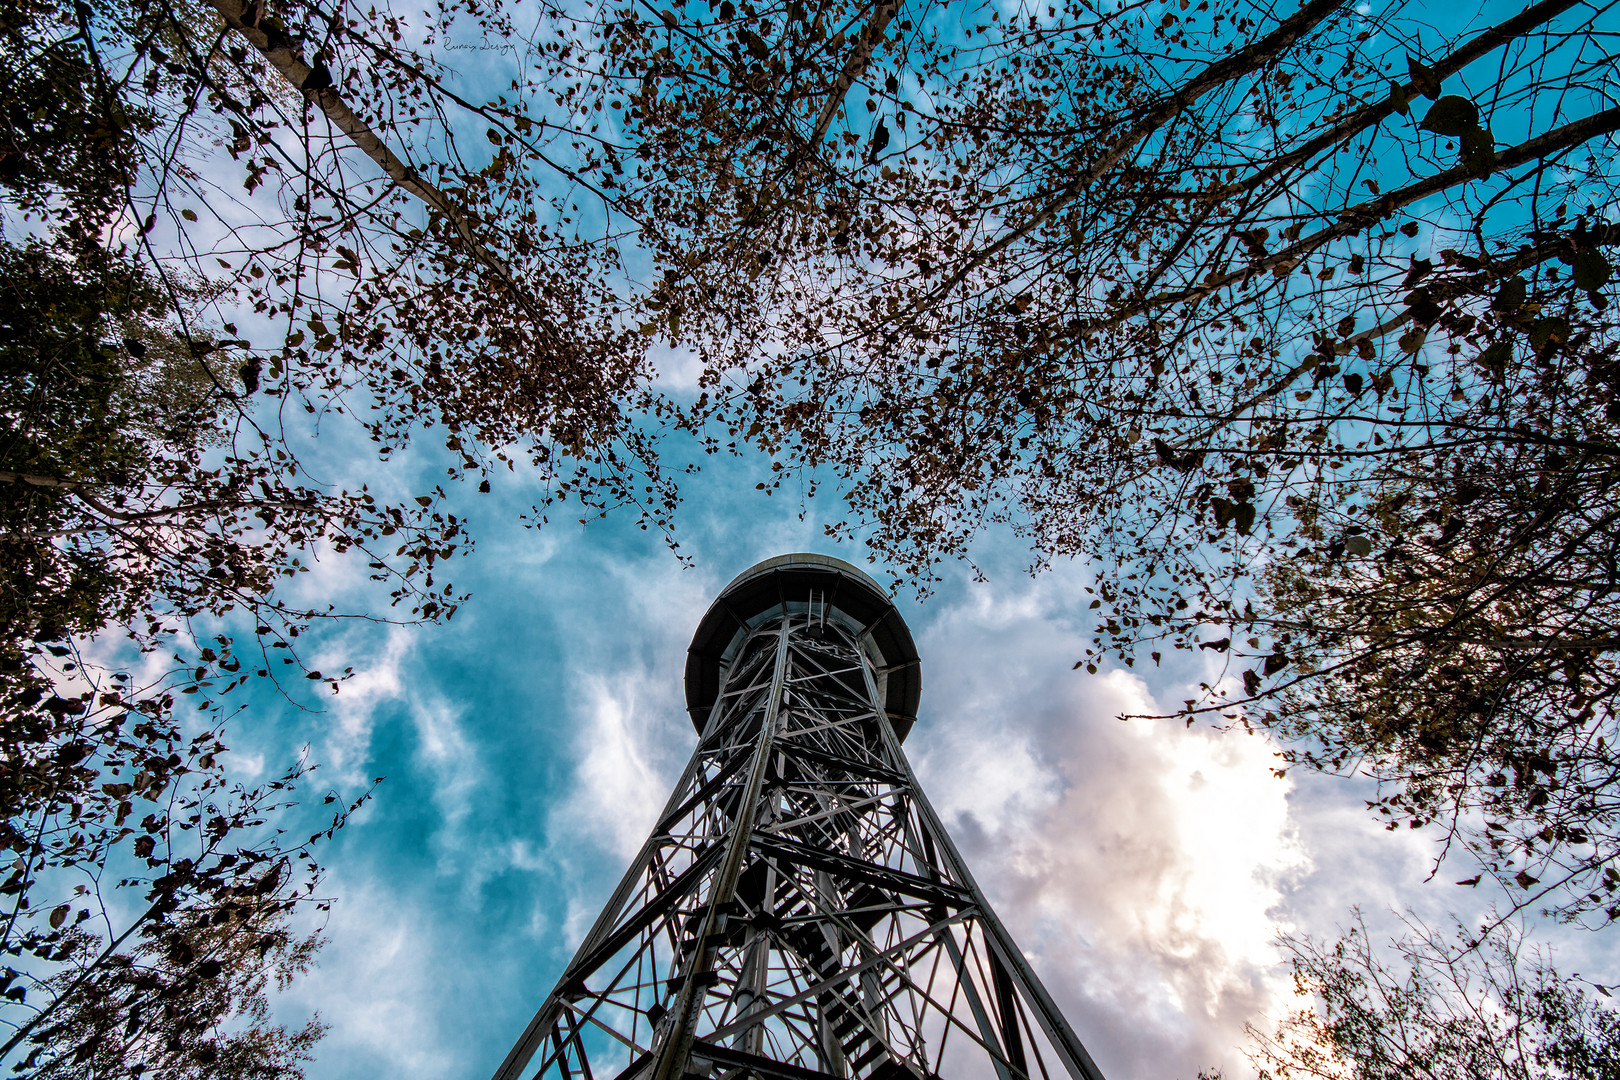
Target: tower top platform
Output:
{"points": [[787, 584]]}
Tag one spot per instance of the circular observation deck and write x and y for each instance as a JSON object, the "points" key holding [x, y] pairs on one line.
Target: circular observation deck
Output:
{"points": [[789, 584]]}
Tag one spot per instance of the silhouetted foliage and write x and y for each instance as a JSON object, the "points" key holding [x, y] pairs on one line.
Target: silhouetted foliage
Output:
{"points": [[1440, 1010], [151, 901], [1295, 322], [1249, 308], [152, 474]]}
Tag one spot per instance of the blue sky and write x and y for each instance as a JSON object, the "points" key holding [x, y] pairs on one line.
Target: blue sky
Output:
{"points": [[1146, 867], [527, 745]]}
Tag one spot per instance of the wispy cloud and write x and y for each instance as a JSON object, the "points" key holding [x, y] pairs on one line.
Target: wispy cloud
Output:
{"points": [[628, 712], [381, 984], [617, 789], [345, 747], [447, 754]]}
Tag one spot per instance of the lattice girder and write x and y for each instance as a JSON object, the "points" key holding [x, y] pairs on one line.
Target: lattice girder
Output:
{"points": [[798, 912]]}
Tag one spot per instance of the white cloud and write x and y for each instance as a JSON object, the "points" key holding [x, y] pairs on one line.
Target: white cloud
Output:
{"points": [[381, 984], [346, 749], [626, 667], [447, 755], [618, 791], [444, 752], [624, 656], [1142, 864], [677, 370]]}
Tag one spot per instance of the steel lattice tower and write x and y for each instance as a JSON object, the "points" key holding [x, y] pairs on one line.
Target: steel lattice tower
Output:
{"points": [[799, 912]]}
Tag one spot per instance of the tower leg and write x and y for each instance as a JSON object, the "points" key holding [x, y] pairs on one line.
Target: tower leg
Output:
{"points": [[799, 911]]}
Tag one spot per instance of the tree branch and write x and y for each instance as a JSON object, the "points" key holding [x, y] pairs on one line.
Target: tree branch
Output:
{"points": [[283, 54], [853, 67], [1356, 218], [1152, 118]]}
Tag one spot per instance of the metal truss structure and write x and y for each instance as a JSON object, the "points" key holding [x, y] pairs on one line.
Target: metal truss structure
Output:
{"points": [[799, 912]]}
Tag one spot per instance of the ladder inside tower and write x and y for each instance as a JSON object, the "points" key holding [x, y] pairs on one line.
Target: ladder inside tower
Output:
{"points": [[851, 1029]]}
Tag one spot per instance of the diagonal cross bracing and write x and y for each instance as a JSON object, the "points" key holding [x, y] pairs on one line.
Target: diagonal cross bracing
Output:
{"points": [[799, 912]]}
